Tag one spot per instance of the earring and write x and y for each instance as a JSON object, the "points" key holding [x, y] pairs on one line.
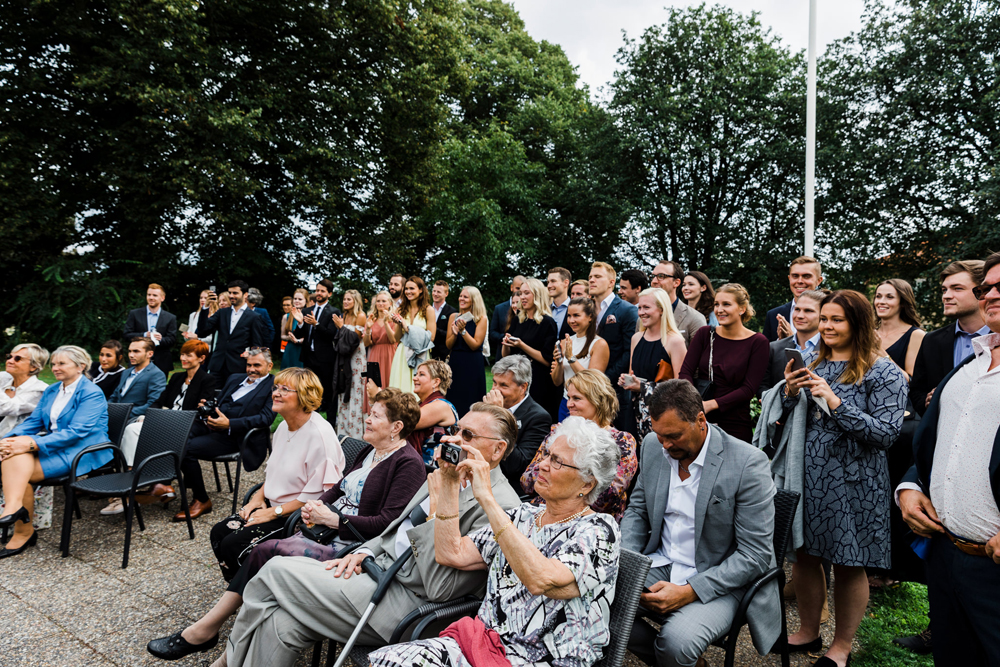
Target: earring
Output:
{"points": [[579, 495]]}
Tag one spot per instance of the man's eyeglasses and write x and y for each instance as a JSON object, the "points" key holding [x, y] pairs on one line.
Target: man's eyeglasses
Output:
{"points": [[467, 434], [556, 462], [282, 390], [982, 290], [16, 357], [663, 276]]}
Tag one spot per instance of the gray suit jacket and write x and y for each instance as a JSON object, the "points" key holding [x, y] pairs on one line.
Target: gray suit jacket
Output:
{"points": [[688, 320], [734, 524], [776, 366], [421, 579]]}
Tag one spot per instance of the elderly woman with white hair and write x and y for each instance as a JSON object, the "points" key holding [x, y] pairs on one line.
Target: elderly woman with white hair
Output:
{"points": [[552, 569], [20, 388], [72, 415]]}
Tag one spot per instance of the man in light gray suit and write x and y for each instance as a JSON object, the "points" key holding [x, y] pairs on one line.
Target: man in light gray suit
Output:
{"points": [[703, 510], [293, 602], [667, 275]]}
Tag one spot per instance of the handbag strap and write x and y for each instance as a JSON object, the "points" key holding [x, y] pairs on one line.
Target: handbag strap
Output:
{"points": [[711, 355]]}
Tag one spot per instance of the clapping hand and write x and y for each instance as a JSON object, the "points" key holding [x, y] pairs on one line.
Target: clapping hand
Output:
{"points": [[567, 346], [784, 328], [310, 320], [629, 382], [458, 326], [338, 320], [296, 314]]}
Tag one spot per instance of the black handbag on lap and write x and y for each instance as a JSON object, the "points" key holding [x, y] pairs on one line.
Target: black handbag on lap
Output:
{"points": [[704, 385]]}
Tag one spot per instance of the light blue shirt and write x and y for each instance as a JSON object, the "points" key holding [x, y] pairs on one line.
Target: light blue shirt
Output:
{"points": [[559, 314], [963, 342], [151, 319], [809, 346]]}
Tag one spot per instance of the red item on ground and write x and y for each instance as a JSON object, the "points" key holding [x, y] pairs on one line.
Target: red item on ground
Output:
{"points": [[480, 645]]}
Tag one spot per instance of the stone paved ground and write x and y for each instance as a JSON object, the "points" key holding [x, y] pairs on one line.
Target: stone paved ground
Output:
{"points": [[85, 611]]}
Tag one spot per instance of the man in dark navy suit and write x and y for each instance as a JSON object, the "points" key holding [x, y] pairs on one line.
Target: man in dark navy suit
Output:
{"points": [[616, 322], [805, 273], [442, 311], [498, 323], [244, 404], [511, 381], [155, 324], [319, 332], [239, 328], [951, 495]]}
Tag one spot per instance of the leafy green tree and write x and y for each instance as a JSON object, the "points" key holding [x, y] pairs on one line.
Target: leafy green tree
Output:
{"points": [[715, 107]]}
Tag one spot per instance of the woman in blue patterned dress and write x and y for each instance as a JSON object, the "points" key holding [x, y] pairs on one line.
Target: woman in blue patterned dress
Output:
{"points": [[846, 492], [552, 569]]}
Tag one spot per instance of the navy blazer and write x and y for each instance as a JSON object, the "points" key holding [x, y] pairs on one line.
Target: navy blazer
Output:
{"points": [[323, 335], [935, 360], [136, 326], [440, 350], [249, 332], [144, 390], [265, 319], [498, 327], [82, 423], [925, 440], [617, 328], [533, 425], [771, 322], [249, 412]]}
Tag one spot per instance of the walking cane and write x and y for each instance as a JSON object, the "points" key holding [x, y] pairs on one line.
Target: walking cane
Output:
{"points": [[383, 579]]}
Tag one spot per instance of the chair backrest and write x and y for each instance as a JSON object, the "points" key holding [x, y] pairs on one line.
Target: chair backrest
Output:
{"points": [[118, 415], [163, 431], [352, 447], [785, 505], [632, 570]]}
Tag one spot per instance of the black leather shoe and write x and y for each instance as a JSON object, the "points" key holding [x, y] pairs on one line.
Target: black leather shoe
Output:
{"points": [[810, 647], [7, 522], [920, 643], [830, 662], [32, 541], [176, 647]]}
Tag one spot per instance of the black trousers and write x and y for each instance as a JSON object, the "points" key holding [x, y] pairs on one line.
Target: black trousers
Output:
{"points": [[324, 372], [232, 540], [203, 444], [964, 593]]}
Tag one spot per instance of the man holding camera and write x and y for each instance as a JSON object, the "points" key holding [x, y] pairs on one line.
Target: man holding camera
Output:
{"points": [[243, 404], [293, 602]]}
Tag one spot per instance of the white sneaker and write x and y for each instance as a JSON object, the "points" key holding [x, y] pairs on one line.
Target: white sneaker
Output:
{"points": [[116, 507]]}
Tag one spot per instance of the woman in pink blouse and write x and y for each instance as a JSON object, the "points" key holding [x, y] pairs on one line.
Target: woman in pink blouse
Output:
{"points": [[306, 460]]}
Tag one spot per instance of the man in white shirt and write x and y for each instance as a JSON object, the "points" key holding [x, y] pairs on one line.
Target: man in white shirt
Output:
{"points": [[396, 289], [703, 510], [156, 324], [616, 324], [557, 285], [442, 312], [951, 496]]}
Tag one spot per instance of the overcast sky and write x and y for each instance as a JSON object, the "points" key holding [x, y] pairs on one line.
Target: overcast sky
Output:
{"points": [[590, 31]]}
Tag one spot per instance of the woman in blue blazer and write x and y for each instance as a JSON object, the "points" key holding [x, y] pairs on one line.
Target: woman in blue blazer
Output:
{"points": [[42, 447]]}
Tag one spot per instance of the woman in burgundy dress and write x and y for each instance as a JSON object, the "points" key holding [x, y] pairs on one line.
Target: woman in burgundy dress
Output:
{"points": [[739, 359]]}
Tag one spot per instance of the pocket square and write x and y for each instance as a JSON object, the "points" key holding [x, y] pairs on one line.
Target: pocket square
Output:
{"points": [[611, 320]]}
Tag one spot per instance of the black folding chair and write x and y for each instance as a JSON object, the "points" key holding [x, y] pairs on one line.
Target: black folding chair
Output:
{"points": [[351, 447], [158, 455], [785, 505], [632, 570], [118, 415]]}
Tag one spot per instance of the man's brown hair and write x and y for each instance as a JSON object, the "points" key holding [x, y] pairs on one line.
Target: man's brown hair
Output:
{"points": [[974, 267]]}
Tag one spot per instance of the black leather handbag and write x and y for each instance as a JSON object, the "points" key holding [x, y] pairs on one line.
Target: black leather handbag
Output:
{"points": [[705, 386]]}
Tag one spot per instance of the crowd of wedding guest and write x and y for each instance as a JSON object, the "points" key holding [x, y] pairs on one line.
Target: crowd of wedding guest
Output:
{"points": [[591, 380]]}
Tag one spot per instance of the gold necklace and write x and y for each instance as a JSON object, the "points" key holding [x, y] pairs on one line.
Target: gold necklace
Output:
{"points": [[538, 519]]}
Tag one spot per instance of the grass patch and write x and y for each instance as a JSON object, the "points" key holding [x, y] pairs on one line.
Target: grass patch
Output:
{"points": [[893, 612]]}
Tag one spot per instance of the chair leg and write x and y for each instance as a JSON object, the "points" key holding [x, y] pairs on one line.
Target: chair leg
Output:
{"points": [[785, 657], [129, 511], [184, 503], [317, 654], [138, 514], [76, 508], [236, 490], [70, 502], [331, 652], [229, 475], [218, 482]]}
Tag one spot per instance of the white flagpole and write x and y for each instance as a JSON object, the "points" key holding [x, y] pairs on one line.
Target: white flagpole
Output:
{"points": [[810, 130]]}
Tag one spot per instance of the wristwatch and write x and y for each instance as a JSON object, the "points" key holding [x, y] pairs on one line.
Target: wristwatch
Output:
{"points": [[279, 510], [572, 360]]}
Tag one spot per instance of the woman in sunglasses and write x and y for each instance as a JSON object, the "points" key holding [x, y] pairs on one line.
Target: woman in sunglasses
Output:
{"points": [[590, 395], [854, 414], [372, 493], [20, 388], [551, 569]]}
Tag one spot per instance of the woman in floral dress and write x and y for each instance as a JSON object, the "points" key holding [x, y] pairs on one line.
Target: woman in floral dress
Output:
{"points": [[351, 414], [552, 568]]}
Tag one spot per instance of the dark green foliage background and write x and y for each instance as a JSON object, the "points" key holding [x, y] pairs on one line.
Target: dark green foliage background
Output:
{"points": [[189, 144]]}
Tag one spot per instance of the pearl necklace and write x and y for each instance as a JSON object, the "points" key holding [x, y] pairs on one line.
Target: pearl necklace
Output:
{"points": [[538, 519], [378, 458]]}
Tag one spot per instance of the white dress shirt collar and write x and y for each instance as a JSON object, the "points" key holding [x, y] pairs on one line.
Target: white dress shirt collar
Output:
{"points": [[605, 304], [513, 410], [63, 397]]}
